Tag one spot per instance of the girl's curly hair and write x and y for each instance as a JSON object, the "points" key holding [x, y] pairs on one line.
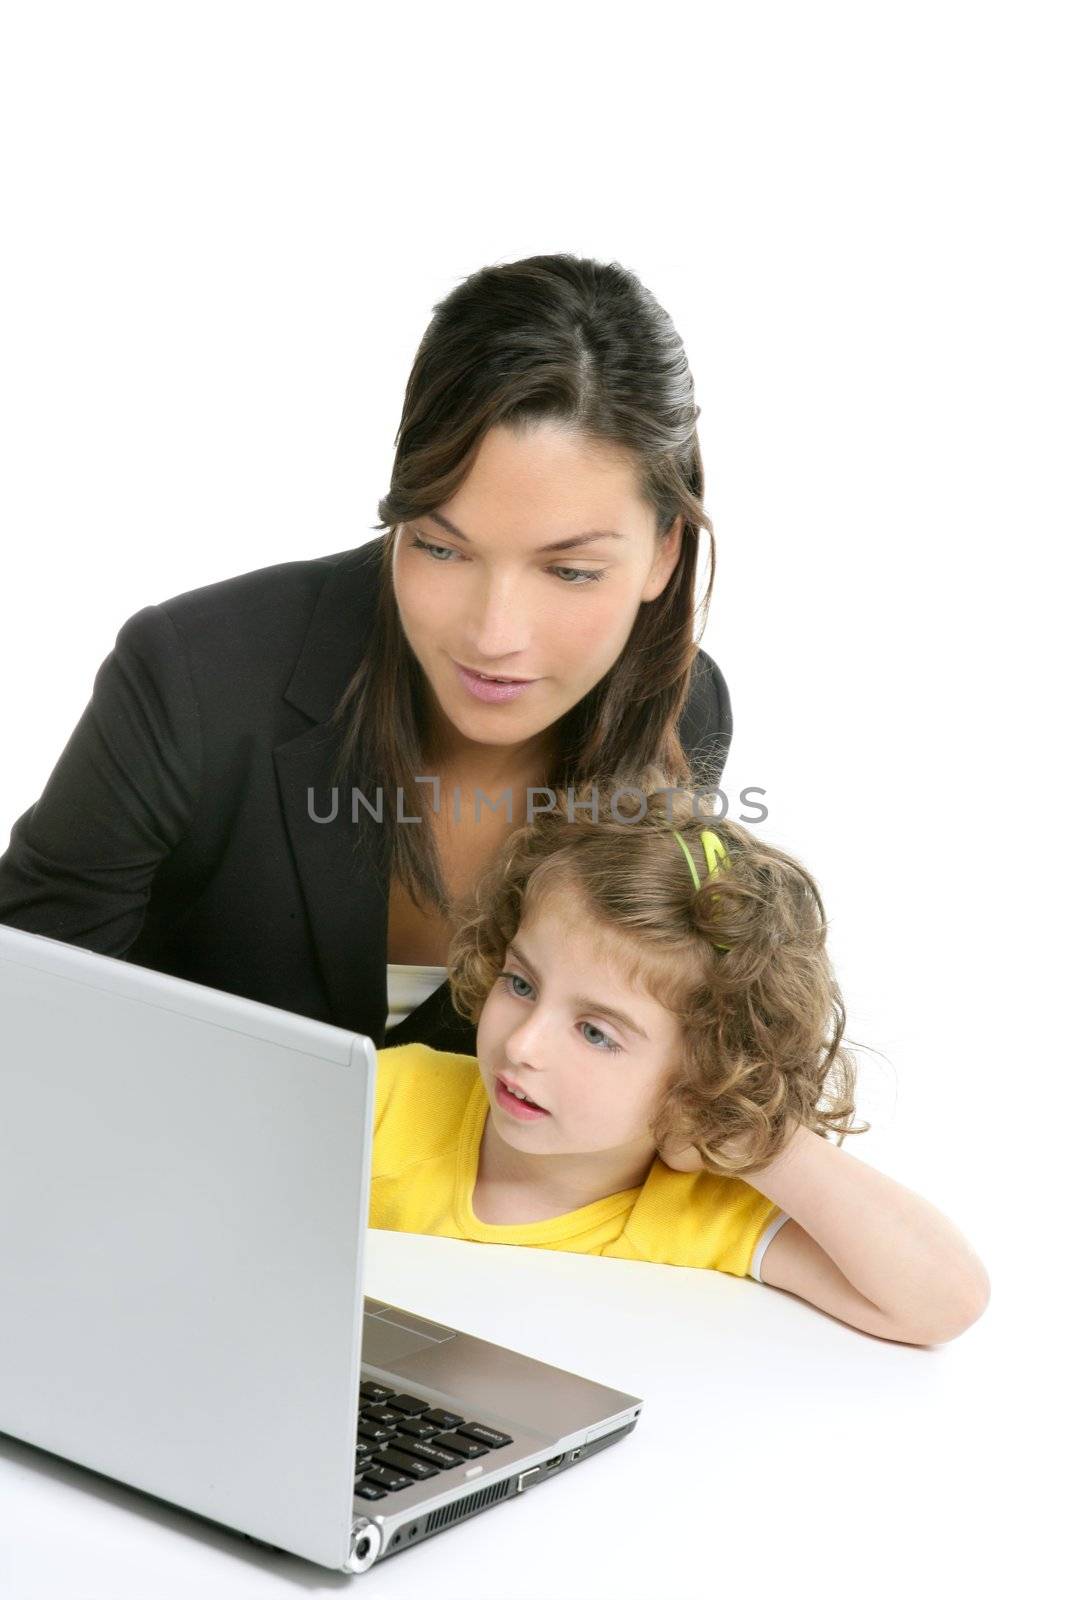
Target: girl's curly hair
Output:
{"points": [[762, 1021]]}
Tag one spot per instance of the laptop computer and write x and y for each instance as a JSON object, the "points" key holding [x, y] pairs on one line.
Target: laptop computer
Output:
{"points": [[184, 1195]]}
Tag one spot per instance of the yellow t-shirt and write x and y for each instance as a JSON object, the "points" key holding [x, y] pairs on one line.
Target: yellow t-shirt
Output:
{"points": [[429, 1116]]}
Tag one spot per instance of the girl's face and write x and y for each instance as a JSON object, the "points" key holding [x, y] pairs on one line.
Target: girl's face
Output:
{"points": [[562, 1025], [477, 587]]}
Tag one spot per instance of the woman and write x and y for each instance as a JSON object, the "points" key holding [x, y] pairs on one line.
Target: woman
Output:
{"points": [[216, 813]]}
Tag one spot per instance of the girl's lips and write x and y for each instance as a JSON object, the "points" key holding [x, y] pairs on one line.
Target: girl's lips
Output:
{"points": [[520, 1109], [493, 693]]}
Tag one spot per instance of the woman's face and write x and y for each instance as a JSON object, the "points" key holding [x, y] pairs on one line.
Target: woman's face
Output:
{"points": [[486, 594]]}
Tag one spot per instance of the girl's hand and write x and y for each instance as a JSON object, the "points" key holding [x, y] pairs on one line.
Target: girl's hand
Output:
{"points": [[682, 1158], [687, 1158]]}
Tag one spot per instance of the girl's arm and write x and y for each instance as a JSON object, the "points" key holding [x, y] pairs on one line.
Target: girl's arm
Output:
{"points": [[865, 1248]]}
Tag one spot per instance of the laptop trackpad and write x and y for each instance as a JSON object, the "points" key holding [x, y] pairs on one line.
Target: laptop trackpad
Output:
{"points": [[386, 1340]]}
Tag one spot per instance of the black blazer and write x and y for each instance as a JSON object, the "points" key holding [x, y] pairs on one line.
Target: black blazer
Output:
{"points": [[174, 830]]}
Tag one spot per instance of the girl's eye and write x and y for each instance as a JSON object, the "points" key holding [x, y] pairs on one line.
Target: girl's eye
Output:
{"points": [[577, 573], [510, 978], [608, 1044]]}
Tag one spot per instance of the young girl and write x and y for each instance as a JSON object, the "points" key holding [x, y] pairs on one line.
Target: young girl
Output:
{"points": [[659, 1067]]}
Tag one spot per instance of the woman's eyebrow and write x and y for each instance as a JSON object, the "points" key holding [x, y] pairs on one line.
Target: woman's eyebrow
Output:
{"points": [[583, 1002], [560, 544]]}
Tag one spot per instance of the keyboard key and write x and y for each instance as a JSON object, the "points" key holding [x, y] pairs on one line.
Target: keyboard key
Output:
{"points": [[408, 1404], [417, 1428], [385, 1477], [374, 1392], [467, 1448], [401, 1462], [484, 1435], [380, 1414], [370, 1491], [425, 1452], [374, 1432], [443, 1419]]}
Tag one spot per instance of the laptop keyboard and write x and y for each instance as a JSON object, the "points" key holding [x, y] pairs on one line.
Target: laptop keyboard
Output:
{"points": [[401, 1440]]}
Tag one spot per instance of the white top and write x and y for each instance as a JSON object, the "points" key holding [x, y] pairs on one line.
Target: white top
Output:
{"points": [[407, 987]]}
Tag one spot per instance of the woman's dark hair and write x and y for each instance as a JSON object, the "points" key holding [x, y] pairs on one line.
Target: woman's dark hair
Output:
{"points": [[582, 345]]}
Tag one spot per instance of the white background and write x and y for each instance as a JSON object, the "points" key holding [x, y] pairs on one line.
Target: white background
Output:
{"points": [[225, 227]]}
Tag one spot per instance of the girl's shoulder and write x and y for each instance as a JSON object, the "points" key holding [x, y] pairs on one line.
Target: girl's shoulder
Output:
{"points": [[421, 1087], [698, 1219]]}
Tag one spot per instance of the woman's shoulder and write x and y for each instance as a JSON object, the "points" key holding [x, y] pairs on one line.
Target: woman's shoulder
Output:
{"points": [[297, 627], [706, 725], [283, 592]]}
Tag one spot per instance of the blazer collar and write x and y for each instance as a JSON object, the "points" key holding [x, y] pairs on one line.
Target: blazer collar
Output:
{"points": [[346, 902], [339, 628]]}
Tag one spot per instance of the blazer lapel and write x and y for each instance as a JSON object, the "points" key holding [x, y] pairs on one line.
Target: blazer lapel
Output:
{"points": [[346, 904], [345, 892]]}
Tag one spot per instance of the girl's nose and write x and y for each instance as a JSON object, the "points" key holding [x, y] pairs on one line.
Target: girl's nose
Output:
{"points": [[527, 1043]]}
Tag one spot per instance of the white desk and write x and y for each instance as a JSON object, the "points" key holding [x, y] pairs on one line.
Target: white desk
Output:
{"points": [[779, 1452]]}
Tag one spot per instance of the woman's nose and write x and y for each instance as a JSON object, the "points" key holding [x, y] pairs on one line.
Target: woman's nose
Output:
{"points": [[497, 624]]}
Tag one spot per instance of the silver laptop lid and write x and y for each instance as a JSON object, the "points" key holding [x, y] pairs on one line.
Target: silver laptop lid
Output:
{"points": [[184, 1187]]}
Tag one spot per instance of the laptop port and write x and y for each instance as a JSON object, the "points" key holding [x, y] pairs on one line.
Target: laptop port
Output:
{"points": [[366, 1544], [554, 1461]]}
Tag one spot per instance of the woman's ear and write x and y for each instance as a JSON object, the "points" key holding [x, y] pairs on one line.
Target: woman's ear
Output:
{"points": [[670, 548]]}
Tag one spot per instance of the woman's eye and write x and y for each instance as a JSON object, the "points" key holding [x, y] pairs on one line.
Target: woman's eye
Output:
{"points": [[580, 572], [509, 979], [420, 544], [578, 578]]}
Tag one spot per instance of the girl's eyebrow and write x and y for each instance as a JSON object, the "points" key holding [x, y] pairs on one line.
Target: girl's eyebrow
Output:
{"points": [[583, 1002], [560, 544]]}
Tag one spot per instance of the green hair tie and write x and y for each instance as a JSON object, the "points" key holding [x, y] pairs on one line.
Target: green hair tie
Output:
{"points": [[714, 852]]}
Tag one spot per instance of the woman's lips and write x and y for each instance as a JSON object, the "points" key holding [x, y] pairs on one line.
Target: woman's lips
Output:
{"points": [[493, 693], [521, 1110]]}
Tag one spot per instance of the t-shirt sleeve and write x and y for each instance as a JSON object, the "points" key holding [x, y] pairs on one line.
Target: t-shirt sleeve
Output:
{"points": [[80, 862], [764, 1240], [701, 1219]]}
